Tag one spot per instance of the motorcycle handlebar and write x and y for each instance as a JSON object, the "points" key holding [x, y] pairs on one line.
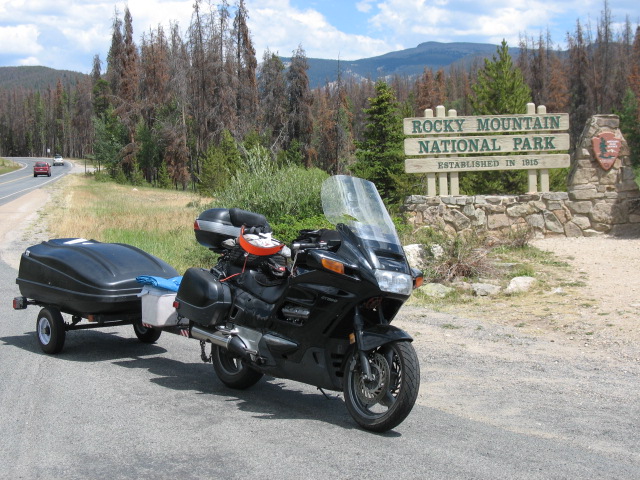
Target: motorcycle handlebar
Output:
{"points": [[306, 245]]}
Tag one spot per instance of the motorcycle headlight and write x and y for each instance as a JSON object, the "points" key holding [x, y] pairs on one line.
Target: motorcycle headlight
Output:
{"points": [[394, 282]]}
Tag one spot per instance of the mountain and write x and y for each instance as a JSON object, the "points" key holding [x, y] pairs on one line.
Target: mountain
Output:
{"points": [[36, 78], [409, 62]]}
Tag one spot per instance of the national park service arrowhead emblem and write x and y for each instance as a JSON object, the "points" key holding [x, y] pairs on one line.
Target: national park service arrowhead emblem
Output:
{"points": [[606, 147]]}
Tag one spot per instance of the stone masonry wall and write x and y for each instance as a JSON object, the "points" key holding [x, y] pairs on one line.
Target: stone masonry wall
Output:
{"points": [[597, 202]]}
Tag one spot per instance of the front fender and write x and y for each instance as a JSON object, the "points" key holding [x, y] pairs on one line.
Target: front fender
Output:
{"points": [[378, 335]]}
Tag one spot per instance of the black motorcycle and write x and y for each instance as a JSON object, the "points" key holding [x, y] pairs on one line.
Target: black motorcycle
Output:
{"points": [[318, 314]]}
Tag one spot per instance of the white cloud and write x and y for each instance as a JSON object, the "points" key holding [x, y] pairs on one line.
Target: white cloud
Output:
{"points": [[29, 62], [69, 34], [414, 21], [20, 39], [308, 28], [364, 6]]}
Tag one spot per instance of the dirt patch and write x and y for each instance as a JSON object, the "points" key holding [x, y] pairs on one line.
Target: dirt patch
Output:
{"points": [[595, 300]]}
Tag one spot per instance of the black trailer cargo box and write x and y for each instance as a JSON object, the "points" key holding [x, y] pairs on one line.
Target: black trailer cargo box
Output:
{"points": [[86, 276]]}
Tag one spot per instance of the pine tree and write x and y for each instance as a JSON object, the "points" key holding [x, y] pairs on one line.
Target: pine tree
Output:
{"points": [[581, 104], [300, 119], [500, 88], [272, 92], [380, 157], [246, 64], [634, 71], [219, 164], [630, 126], [115, 56]]}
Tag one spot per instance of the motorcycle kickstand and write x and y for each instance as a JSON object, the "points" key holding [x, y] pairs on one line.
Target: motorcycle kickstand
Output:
{"points": [[203, 354]]}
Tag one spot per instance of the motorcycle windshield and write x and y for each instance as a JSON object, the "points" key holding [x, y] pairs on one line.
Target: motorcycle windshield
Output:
{"points": [[356, 203]]}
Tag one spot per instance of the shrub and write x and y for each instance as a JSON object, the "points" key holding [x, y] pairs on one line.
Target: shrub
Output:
{"points": [[286, 230], [276, 192]]}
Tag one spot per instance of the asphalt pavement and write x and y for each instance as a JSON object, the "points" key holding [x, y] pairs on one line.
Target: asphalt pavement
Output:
{"points": [[111, 407], [20, 182]]}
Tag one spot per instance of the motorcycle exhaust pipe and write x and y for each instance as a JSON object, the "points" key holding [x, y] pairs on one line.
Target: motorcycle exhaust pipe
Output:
{"points": [[232, 343]]}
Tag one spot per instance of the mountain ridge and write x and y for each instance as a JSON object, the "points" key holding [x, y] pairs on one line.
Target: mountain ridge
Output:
{"points": [[408, 62]]}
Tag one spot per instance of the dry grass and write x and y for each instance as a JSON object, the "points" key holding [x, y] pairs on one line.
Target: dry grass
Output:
{"points": [[157, 221], [7, 166]]}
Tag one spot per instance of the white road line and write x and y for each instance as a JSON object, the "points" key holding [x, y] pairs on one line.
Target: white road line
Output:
{"points": [[33, 188]]}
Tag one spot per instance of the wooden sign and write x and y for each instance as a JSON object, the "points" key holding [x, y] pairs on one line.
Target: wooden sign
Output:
{"points": [[486, 124], [606, 148], [486, 144], [469, 164]]}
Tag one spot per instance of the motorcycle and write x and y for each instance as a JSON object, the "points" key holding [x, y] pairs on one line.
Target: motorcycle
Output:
{"points": [[319, 314]]}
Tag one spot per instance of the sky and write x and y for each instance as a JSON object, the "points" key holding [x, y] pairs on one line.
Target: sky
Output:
{"points": [[67, 35]]}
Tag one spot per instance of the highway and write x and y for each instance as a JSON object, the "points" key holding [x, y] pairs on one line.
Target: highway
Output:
{"points": [[20, 182]]}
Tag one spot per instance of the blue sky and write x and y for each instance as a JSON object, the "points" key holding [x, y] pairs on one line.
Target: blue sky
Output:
{"points": [[67, 35]]}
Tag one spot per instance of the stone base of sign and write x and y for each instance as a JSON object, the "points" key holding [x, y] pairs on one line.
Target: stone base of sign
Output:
{"points": [[597, 202]]}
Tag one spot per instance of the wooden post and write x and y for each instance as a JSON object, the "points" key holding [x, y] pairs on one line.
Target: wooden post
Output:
{"points": [[544, 173], [454, 177], [443, 181], [532, 175], [431, 177]]}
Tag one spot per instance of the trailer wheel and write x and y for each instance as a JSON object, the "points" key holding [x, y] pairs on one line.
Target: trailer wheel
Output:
{"points": [[50, 330], [146, 334]]}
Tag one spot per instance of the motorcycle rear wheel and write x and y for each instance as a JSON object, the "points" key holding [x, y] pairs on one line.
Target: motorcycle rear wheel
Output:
{"points": [[383, 403], [232, 371]]}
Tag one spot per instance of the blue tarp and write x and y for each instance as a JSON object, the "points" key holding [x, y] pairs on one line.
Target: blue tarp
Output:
{"points": [[171, 284]]}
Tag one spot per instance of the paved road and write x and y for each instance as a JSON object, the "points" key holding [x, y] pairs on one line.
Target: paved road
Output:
{"points": [[20, 182], [111, 407]]}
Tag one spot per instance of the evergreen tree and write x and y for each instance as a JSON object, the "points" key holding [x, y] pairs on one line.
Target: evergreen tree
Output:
{"points": [[380, 157], [581, 104], [300, 119], [272, 92], [246, 65], [500, 89], [630, 126], [219, 164], [115, 56]]}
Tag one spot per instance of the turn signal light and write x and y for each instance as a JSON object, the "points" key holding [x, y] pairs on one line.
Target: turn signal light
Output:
{"points": [[418, 281], [333, 265]]}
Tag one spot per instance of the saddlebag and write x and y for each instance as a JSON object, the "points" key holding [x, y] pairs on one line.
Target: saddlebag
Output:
{"points": [[202, 298], [87, 277]]}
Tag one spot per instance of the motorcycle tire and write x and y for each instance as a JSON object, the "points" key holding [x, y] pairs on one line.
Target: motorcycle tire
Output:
{"points": [[383, 403], [232, 371]]}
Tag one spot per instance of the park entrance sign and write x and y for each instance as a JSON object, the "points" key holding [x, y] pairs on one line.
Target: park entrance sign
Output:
{"points": [[445, 145]]}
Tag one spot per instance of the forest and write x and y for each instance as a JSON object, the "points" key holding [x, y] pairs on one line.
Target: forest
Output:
{"points": [[188, 109]]}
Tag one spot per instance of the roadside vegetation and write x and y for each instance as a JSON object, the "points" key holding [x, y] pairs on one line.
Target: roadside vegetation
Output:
{"points": [[160, 221], [7, 166], [157, 221], [459, 260]]}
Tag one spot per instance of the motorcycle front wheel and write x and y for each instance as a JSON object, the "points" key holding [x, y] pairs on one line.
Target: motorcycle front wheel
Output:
{"points": [[232, 371], [383, 402]]}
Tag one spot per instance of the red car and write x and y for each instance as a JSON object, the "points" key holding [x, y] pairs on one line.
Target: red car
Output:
{"points": [[41, 168]]}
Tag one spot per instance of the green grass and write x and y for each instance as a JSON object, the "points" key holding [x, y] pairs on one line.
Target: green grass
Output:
{"points": [[157, 221]]}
